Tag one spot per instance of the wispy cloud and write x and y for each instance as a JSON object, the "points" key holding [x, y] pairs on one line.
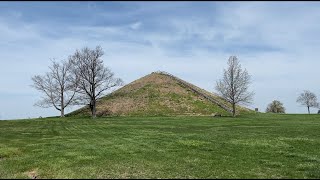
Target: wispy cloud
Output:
{"points": [[275, 41], [136, 25]]}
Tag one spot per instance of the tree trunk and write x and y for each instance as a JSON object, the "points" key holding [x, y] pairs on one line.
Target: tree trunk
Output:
{"points": [[62, 105], [62, 112], [93, 99], [93, 109], [233, 110], [308, 109]]}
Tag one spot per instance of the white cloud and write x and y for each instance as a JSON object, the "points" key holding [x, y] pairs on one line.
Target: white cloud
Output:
{"points": [[135, 25], [132, 51]]}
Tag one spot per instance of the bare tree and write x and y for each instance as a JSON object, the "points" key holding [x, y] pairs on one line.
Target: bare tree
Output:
{"points": [[58, 86], [275, 107], [308, 99], [94, 78], [234, 84]]}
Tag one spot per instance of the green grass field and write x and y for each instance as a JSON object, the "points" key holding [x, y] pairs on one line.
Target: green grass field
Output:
{"points": [[255, 146]]}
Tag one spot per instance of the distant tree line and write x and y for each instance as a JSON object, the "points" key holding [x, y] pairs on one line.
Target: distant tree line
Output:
{"points": [[81, 80]]}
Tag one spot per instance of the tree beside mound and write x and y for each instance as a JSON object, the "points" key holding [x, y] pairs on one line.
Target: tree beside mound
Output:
{"points": [[160, 94]]}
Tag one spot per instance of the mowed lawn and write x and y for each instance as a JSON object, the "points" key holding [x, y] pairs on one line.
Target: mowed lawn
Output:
{"points": [[253, 146]]}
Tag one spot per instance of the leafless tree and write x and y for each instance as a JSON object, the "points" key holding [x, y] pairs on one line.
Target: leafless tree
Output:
{"points": [[308, 99], [234, 84], [94, 78], [275, 107], [58, 86]]}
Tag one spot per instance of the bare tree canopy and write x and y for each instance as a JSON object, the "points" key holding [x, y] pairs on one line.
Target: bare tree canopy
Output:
{"points": [[308, 99], [234, 84], [94, 78], [58, 86], [275, 107]]}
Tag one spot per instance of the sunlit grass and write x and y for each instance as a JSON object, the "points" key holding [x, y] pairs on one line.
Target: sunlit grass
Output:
{"points": [[255, 146]]}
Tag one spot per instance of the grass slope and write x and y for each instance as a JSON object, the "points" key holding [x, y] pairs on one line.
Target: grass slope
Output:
{"points": [[156, 95], [256, 146]]}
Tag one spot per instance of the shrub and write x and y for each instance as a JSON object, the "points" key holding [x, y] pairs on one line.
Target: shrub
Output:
{"points": [[275, 107]]}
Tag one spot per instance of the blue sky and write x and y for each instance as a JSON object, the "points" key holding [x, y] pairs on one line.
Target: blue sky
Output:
{"points": [[277, 42]]}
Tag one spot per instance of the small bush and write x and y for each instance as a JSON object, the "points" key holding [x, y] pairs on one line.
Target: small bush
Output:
{"points": [[275, 107]]}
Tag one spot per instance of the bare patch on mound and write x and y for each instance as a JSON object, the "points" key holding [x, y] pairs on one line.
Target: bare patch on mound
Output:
{"points": [[122, 105]]}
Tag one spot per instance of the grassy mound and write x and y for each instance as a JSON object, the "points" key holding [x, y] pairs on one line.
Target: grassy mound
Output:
{"points": [[157, 95]]}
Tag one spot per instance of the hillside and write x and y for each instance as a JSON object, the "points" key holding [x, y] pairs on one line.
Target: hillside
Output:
{"points": [[160, 94]]}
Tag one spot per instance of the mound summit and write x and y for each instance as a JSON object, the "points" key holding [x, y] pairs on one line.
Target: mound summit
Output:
{"points": [[161, 94]]}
